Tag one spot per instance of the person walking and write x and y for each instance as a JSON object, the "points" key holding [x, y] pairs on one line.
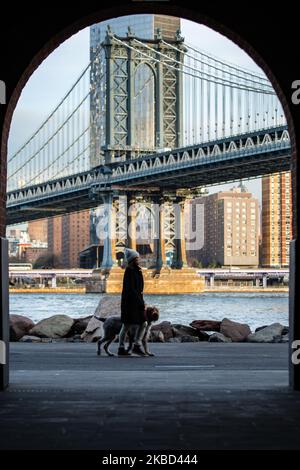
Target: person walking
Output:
{"points": [[132, 303]]}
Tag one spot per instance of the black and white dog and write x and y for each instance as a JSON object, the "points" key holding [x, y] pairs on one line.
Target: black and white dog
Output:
{"points": [[112, 327]]}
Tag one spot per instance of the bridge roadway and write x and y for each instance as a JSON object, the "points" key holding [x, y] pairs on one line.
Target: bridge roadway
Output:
{"points": [[189, 396], [45, 273], [243, 156], [227, 273]]}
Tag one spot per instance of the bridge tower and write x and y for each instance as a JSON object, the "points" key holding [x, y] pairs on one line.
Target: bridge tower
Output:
{"points": [[137, 68]]}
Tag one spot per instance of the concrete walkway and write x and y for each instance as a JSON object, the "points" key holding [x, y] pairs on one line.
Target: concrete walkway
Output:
{"points": [[189, 396]]}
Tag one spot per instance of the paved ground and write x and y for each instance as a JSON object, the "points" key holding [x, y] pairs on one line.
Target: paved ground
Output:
{"points": [[190, 396]]}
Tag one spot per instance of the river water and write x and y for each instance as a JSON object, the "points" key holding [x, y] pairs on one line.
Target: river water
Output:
{"points": [[253, 309]]}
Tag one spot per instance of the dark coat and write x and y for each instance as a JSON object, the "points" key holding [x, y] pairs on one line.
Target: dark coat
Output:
{"points": [[132, 302]]}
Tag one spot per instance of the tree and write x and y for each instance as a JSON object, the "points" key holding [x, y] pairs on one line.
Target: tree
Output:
{"points": [[48, 261], [214, 264], [195, 263]]}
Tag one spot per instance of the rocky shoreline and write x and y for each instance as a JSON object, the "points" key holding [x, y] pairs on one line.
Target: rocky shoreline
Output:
{"points": [[63, 328]]}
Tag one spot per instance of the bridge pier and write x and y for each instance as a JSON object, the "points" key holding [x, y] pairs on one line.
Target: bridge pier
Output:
{"points": [[160, 279], [179, 259], [131, 221], [159, 236], [109, 247], [108, 267]]}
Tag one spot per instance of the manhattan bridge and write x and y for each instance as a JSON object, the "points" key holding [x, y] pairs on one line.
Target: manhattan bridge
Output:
{"points": [[147, 122]]}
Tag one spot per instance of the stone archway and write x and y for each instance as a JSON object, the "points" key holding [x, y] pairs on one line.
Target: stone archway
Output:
{"points": [[258, 42]]}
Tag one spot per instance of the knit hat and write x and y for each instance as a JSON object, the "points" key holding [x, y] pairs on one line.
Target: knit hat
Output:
{"points": [[130, 254]]}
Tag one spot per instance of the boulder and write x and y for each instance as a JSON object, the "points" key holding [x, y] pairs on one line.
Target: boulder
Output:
{"points": [[165, 327], [95, 336], [219, 338], [237, 332], [203, 336], [284, 338], [269, 334], [174, 340], [109, 305], [277, 339], [75, 339], [286, 330], [206, 325], [93, 331], [183, 330], [189, 339], [79, 325], [19, 326], [156, 336], [56, 326], [260, 328], [30, 339]]}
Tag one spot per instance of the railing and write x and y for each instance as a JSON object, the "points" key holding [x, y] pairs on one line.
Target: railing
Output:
{"points": [[158, 164]]}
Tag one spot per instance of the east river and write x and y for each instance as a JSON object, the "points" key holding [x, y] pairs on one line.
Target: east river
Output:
{"points": [[253, 309]]}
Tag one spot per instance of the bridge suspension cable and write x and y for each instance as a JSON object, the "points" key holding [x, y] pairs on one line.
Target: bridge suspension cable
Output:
{"points": [[216, 60], [206, 76], [225, 107], [209, 76], [61, 135]]}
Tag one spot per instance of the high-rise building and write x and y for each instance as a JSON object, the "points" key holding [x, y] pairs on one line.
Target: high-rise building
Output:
{"points": [[143, 26], [276, 220], [55, 241], [38, 230], [17, 239], [231, 221], [76, 237], [68, 235]]}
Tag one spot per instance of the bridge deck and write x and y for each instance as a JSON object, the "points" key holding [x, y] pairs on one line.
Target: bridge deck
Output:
{"points": [[220, 161]]}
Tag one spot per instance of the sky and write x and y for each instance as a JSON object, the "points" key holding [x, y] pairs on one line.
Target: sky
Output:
{"points": [[50, 82]]}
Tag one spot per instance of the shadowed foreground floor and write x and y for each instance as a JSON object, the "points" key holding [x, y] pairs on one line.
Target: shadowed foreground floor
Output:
{"points": [[190, 396]]}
